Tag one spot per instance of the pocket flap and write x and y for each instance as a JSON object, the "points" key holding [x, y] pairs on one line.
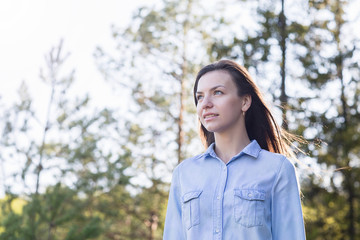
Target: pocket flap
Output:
{"points": [[250, 194], [191, 195]]}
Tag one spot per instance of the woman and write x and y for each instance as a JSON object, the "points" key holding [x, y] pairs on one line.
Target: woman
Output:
{"points": [[243, 186]]}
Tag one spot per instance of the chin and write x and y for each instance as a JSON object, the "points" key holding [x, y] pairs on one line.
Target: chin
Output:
{"points": [[212, 129]]}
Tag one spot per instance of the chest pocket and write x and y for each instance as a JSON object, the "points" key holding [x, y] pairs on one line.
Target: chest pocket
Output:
{"points": [[191, 208], [249, 207]]}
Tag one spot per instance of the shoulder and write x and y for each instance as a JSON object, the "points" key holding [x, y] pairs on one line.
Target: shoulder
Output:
{"points": [[283, 169], [190, 168], [189, 162], [275, 158], [276, 161]]}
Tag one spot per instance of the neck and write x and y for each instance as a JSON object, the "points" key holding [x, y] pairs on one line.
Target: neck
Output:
{"points": [[227, 145]]}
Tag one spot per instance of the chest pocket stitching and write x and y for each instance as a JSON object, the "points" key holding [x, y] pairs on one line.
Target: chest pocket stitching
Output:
{"points": [[191, 208], [249, 207]]}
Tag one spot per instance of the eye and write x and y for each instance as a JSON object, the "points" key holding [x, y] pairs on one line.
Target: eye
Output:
{"points": [[199, 97], [218, 92]]}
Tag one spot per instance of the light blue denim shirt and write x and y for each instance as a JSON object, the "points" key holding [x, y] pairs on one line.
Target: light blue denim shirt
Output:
{"points": [[254, 196]]}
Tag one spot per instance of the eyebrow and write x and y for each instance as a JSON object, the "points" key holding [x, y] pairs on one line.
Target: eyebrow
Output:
{"points": [[213, 88]]}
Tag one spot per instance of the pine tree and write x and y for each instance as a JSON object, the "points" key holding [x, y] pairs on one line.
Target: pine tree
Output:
{"points": [[332, 71], [62, 171]]}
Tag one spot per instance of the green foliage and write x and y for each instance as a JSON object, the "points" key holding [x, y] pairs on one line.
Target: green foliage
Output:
{"points": [[53, 215], [10, 225], [323, 220], [335, 83], [155, 60]]}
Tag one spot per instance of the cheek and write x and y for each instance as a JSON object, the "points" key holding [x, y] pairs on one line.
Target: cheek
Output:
{"points": [[198, 110]]}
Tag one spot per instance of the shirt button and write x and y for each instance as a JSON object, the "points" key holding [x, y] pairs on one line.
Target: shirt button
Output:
{"points": [[218, 197], [217, 230], [224, 168], [249, 195]]}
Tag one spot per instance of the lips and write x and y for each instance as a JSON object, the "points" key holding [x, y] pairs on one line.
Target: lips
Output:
{"points": [[209, 115]]}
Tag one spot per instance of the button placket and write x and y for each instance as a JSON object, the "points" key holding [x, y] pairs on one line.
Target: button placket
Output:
{"points": [[219, 202]]}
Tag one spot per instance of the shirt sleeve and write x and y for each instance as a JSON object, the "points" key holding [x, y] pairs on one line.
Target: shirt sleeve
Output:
{"points": [[287, 218], [173, 229]]}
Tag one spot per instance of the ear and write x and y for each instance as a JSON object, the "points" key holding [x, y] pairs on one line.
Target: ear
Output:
{"points": [[246, 102]]}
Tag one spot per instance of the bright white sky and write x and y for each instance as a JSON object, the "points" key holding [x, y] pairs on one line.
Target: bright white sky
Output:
{"points": [[29, 29]]}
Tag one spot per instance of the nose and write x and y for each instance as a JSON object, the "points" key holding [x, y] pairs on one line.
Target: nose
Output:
{"points": [[206, 102]]}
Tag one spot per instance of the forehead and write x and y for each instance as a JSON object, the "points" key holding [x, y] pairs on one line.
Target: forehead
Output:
{"points": [[215, 78]]}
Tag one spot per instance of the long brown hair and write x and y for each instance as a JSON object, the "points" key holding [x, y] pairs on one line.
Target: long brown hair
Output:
{"points": [[259, 121]]}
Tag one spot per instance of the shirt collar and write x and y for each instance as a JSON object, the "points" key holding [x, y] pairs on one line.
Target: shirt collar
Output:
{"points": [[210, 151], [252, 149]]}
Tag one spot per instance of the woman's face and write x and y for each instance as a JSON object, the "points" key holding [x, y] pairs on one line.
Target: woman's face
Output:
{"points": [[219, 107]]}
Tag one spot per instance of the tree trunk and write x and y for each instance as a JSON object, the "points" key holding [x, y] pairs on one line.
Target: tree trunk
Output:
{"points": [[348, 186], [282, 41], [184, 70]]}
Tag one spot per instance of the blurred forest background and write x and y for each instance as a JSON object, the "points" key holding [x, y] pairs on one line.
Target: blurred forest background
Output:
{"points": [[88, 173]]}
